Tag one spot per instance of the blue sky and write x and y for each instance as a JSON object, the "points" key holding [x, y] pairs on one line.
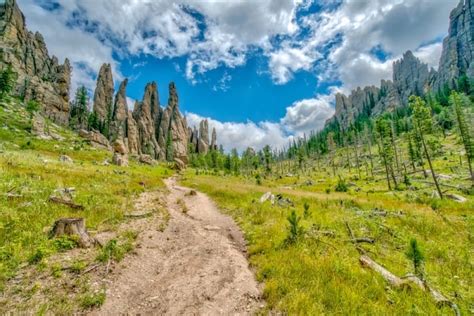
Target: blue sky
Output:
{"points": [[261, 71]]}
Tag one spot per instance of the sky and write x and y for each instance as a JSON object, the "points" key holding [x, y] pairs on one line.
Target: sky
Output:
{"points": [[261, 71]]}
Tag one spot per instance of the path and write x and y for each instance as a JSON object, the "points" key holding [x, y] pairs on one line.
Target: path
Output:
{"points": [[196, 266]]}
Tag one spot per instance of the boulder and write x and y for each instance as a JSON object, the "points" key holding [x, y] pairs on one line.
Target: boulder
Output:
{"points": [[146, 159], [119, 147], [120, 160], [96, 139]]}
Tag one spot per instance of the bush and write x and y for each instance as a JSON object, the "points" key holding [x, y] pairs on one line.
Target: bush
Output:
{"points": [[65, 243], [258, 178], [341, 186], [306, 213]]}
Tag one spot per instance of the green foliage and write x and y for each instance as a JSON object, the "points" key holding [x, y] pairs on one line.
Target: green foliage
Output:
{"points": [[464, 129], [79, 116], [37, 256], [295, 230], [341, 186], [65, 243], [258, 179], [32, 106], [415, 254], [7, 81], [93, 300], [306, 213]]}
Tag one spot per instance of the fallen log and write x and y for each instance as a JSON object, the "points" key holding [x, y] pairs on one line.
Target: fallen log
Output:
{"points": [[69, 203], [408, 281], [363, 240], [387, 275]]}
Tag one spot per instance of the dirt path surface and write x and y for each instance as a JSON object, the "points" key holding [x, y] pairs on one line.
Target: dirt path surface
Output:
{"points": [[195, 266]]}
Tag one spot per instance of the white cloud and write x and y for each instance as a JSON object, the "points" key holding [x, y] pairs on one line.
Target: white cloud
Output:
{"points": [[430, 54], [288, 60], [308, 115], [84, 50], [242, 135]]}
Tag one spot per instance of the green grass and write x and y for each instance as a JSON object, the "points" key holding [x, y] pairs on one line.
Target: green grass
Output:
{"points": [[30, 172], [320, 274]]}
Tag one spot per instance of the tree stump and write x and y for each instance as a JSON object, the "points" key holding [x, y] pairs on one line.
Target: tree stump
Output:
{"points": [[73, 227]]}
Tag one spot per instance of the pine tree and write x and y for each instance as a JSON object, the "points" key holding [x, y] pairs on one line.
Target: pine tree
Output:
{"points": [[457, 101], [267, 157], [422, 123], [7, 81], [79, 110], [384, 132]]}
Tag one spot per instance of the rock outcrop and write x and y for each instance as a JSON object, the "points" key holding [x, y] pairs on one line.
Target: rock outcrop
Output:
{"points": [[214, 139], [412, 77], [120, 112], [40, 77], [458, 47], [178, 129], [144, 116], [203, 143], [104, 93]]}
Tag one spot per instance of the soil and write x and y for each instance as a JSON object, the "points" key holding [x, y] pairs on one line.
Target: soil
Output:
{"points": [[197, 265]]}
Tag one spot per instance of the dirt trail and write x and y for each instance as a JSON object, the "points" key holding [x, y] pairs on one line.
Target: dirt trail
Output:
{"points": [[196, 266]]}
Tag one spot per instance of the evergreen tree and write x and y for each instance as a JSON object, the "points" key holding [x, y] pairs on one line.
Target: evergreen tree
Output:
{"points": [[79, 110], [384, 132], [7, 81], [457, 101], [267, 158], [422, 123]]}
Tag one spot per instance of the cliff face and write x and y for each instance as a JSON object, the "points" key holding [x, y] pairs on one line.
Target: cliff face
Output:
{"points": [[40, 77], [412, 77], [458, 47]]}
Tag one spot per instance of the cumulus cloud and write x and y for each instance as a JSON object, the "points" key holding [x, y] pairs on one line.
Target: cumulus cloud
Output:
{"points": [[242, 135], [335, 43], [308, 115], [83, 49]]}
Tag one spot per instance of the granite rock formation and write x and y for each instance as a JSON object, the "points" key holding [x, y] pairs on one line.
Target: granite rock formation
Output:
{"points": [[203, 142], [412, 77], [40, 77], [104, 93], [458, 47]]}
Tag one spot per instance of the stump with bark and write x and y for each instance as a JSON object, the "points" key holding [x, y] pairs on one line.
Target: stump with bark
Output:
{"points": [[73, 227]]}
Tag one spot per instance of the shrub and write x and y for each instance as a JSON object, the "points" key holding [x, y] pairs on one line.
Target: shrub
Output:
{"points": [[65, 243], [341, 186], [306, 213], [258, 178]]}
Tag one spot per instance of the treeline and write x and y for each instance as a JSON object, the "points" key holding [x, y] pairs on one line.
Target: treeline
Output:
{"points": [[396, 144]]}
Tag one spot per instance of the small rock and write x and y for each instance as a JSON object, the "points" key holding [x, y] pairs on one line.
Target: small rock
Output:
{"points": [[66, 159], [267, 196]]}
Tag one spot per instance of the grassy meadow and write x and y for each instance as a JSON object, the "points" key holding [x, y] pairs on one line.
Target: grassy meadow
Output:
{"points": [[30, 172], [320, 272]]}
